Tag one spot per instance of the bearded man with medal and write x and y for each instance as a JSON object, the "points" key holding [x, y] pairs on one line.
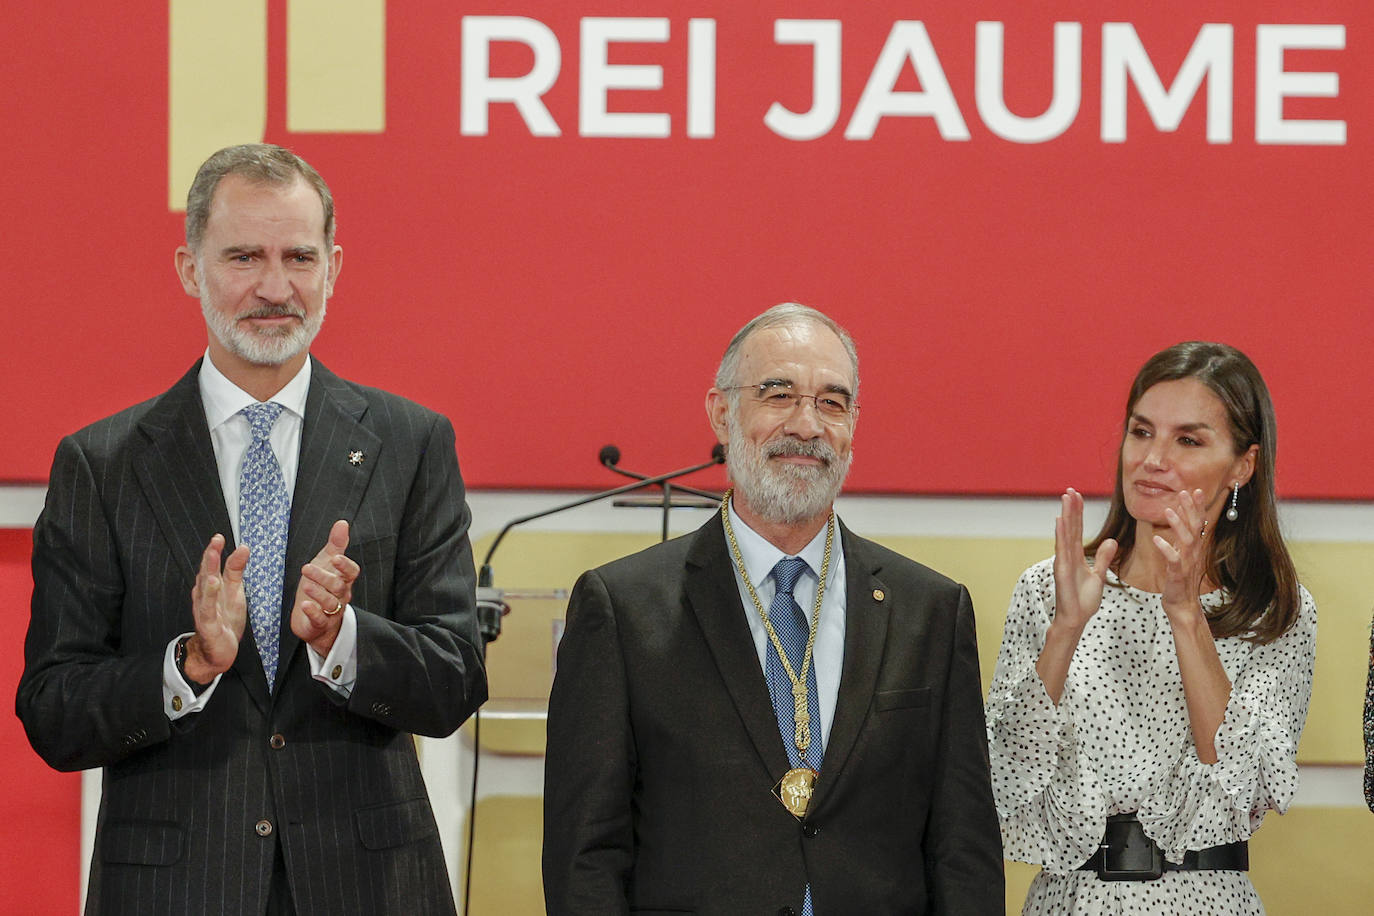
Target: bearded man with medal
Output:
{"points": [[771, 714]]}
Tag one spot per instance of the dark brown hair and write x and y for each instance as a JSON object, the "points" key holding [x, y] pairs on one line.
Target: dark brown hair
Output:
{"points": [[1247, 557]]}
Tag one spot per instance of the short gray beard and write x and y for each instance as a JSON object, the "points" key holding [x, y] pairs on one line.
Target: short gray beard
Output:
{"points": [[784, 494], [263, 348]]}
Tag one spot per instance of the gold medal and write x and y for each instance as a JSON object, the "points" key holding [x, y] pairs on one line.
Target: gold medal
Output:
{"points": [[794, 790]]}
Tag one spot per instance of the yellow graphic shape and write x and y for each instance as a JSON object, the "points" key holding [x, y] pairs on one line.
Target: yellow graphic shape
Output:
{"points": [[336, 66], [217, 76], [217, 84]]}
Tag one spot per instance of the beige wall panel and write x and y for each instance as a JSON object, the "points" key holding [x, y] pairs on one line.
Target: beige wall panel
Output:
{"points": [[1301, 863], [1340, 576], [1315, 862], [505, 875], [1309, 861], [1297, 859], [989, 568], [520, 663], [1019, 876], [1341, 579]]}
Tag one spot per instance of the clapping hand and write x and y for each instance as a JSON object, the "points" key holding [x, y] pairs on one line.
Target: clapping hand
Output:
{"points": [[326, 587], [1185, 558], [220, 611], [1077, 583], [1078, 588]]}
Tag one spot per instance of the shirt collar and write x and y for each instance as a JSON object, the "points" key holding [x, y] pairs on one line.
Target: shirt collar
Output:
{"points": [[222, 398], [760, 556]]}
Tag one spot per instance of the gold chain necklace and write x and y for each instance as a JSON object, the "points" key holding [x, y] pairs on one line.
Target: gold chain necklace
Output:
{"points": [[801, 714]]}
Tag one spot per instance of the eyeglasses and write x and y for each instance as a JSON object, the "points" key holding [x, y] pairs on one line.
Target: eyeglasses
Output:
{"points": [[833, 407]]}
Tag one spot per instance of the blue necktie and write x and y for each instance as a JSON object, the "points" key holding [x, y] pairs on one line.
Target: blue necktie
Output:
{"points": [[790, 624], [793, 630], [264, 516]]}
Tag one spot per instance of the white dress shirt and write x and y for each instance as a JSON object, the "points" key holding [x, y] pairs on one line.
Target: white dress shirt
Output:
{"points": [[230, 436], [827, 655]]}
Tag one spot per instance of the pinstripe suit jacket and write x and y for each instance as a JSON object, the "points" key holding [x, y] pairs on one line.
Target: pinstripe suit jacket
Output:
{"points": [[132, 501]]}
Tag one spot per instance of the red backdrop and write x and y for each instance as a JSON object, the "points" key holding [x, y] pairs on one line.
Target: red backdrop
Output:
{"points": [[554, 293], [39, 848]]}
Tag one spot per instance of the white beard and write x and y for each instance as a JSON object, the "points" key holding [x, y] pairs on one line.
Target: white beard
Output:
{"points": [[783, 493], [270, 347]]}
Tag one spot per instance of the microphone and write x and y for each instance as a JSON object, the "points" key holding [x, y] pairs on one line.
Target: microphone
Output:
{"points": [[491, 607], [609, 456]]}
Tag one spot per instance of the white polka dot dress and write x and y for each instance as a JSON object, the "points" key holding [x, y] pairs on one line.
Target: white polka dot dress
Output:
{"points": [[1120, 742]]}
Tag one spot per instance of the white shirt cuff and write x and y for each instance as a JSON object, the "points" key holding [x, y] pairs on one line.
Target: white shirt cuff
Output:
{"points": [[339, 669], [178, 699]]}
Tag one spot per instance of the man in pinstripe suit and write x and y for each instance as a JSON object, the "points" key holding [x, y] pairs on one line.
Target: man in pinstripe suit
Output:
{"points": [[263, 768]]}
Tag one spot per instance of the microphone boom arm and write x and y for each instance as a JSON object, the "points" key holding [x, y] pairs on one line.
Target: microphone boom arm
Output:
{"points": [[635, 475], [484, 577]]}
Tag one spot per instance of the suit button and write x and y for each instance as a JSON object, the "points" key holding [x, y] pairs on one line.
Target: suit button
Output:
{"points": [[263, 827], [810, 830], [277, 742]]}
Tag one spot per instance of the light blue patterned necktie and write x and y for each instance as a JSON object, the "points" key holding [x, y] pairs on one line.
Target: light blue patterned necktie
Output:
{"points": [[793, 630], [264, 516]]}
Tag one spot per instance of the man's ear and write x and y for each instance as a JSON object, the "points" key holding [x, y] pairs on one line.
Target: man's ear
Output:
{"points": [[335, 265], [188, 271], [717, 409]]}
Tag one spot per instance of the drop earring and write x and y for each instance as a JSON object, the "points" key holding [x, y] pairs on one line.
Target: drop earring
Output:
{"points": [[1233, 513]]}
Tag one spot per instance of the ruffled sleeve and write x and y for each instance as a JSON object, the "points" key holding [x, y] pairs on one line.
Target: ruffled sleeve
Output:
{"points": [[1200, 805], [1050, 805]]}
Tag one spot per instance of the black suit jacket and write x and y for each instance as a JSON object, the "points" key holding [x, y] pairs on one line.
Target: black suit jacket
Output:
{"points": [[193, 810], [663, 749]]}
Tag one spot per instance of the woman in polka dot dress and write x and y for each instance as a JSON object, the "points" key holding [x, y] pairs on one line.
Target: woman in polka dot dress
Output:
{"points": [[1152, 686]]}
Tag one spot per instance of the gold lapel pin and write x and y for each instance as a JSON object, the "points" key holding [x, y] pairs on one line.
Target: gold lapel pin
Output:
{"points": [[355, 457], [879, 594]]}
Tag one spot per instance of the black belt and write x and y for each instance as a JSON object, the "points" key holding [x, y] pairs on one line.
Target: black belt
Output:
{"points": [[1127, 854]]}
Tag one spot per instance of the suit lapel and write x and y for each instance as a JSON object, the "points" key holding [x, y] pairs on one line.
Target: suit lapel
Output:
{"points": [[329, 486], [178, 474], [865, 639], [180, 481], [714, 598]]}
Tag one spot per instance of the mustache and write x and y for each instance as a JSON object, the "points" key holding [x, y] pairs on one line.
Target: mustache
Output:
{"points": [[806, 448], [272, 311]]}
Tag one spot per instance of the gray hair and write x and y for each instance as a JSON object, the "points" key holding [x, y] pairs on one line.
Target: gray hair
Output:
{"points": [[787, 313], [262, 163]]}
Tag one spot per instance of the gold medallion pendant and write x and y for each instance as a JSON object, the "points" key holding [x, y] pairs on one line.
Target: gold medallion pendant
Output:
{"points": [[794, 790]]}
